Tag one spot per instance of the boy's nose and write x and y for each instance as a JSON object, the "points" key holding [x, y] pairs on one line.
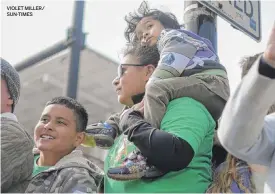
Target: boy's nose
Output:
{"points": [[48, 126]]}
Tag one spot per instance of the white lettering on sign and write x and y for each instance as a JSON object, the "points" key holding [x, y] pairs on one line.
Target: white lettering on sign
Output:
{"points": [[244, 15]]}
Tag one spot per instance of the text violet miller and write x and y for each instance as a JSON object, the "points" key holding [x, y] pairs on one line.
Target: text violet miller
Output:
{"points": [[21, 8]]}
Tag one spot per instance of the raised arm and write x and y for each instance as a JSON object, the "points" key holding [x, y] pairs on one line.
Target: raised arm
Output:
{"points": [[245, 131]]}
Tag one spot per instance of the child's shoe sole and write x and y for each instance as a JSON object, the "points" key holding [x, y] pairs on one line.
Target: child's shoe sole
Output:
{"points": [[103, 141]]}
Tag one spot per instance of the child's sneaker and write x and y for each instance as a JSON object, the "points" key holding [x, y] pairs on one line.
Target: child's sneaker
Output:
{"points": [[134, 167], [101, 135]]}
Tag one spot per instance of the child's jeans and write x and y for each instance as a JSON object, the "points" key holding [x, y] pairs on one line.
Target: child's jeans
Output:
{"points": [[210, 90]]}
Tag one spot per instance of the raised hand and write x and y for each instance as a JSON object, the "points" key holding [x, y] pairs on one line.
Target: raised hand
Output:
{"points": [[269, 53]]}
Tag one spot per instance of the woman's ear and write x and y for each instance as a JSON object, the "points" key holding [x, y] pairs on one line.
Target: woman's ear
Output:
{"points": [[150, 69]]}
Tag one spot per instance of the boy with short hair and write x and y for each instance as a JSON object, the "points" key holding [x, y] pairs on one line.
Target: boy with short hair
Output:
{"points": [[59, 167]]}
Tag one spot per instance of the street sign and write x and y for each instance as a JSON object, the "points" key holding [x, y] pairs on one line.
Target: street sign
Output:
{"points": [[244, 15]]}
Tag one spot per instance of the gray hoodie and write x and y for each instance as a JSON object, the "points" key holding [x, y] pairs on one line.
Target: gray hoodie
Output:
{"points": [[72, 174], [16, 155], [245, 130]]}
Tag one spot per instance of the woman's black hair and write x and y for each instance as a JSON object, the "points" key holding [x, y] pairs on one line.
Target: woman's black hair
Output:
{"points": [[145, 55], [168, 20]]}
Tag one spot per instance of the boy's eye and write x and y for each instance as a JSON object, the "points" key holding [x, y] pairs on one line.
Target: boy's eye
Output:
{"points": [[44, 120], [61, 122]]}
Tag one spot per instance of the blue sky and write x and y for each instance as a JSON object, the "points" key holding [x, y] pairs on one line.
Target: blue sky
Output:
{"points": [[22, 37]]}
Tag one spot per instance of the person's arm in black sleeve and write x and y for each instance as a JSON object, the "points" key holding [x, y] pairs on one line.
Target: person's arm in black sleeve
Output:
{"points": [[265, 69], [162, 149]]}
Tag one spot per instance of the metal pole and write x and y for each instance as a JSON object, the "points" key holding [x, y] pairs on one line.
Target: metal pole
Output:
{"points": [[201, 21], [56, 48], [78, 44]]}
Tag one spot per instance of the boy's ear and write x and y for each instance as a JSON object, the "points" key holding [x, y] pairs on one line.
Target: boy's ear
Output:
{"points": [[79, 138]]}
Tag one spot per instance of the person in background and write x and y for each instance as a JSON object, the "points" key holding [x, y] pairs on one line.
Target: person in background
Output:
{"points": [[16, 143], [245, 129], [236, 175]]}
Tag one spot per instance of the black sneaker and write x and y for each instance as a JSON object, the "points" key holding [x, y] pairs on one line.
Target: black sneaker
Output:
{"points": [[101, 135]]}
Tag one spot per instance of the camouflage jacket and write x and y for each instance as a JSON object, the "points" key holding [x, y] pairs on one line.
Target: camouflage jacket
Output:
{"points": [[72, 174], [16, 155]]}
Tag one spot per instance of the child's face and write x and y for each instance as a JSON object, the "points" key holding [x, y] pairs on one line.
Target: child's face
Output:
{"points": [[148, 31], [56, 130]]}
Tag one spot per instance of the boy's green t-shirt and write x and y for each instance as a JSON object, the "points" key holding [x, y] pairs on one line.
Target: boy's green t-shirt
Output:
{"points": [[37, 169], [189, 120]]}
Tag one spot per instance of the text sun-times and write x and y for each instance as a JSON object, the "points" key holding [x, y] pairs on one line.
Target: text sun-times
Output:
{"points": [[23, 10]]}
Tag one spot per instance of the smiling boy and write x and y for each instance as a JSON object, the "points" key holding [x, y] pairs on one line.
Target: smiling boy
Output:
{"points": [[59, 167]]}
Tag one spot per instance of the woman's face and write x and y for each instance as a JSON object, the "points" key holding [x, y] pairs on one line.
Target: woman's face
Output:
{"points": [[132, 79]]}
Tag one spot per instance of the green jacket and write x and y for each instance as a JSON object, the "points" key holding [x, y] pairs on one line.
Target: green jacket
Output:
{"points": [[16, 155], [72, 174]]}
